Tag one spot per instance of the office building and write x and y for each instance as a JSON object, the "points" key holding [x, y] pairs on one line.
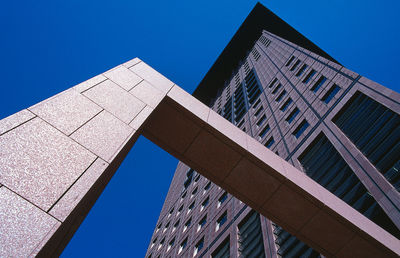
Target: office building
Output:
{"points": [[338, 127]]}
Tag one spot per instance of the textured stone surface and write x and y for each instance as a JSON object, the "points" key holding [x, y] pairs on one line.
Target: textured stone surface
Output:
{"points": [[123, 77], [132, 62], [22, 225], [78, 190], [81, 87], [155, 78], [14, 120], [67, 111], [147, 93], [138, 121], [115, 100], [103, 135], [39, 163]]}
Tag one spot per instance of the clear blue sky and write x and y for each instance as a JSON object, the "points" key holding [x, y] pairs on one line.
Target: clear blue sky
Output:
{"points": [[49, 46]]}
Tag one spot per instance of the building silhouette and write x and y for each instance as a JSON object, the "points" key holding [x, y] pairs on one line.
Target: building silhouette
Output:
{"points": [[339, 128]]}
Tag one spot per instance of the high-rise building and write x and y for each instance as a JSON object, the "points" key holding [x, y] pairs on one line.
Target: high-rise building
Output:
{"points": [[339, 128]]}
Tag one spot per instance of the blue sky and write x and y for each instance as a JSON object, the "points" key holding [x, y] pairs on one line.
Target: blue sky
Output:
{"points": [[49, 46]]}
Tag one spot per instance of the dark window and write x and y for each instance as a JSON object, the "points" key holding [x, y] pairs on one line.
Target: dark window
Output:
{"points": [[207, 186], [318, 84], [272, 83], [223, 197], [206, 201], [374, 129], [221, 220], [198, 246], [295, 65], [258, 111], [277, 88], [279, 98], [286, 104], [301, 128], [261, 120], [269, 143], [223, 250], [309, 76], [183, 245], [250, 236], [301, 71], [292, 115], [290, 61], [330, 94], [323, 163], [264, 131], [203, 221]]}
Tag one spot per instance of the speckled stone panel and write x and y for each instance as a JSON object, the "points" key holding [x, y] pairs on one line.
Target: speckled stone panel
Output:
{"points": [[14, 120], [76, 193], [147, 93], [22, 225], [39, 163], [90, 83], [103, 135], [67, 111], [117, 101], [152, 76], [123, 77]]}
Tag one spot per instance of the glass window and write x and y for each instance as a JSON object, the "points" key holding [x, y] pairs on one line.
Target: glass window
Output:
{"points": [[318, 84], [221, 220], [198, 246], [292, 115], [309, 76], [286, 104], [300, 129], [330, 94]]}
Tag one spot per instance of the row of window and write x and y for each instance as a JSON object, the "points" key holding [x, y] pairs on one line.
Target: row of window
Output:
{"points": [[329, 95]]}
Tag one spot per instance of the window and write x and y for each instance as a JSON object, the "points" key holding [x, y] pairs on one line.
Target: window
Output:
{"points": [[330, 94], [158, 227], [277, 88], [194, 192], [191, 206], [208, 185], [170, 212], [196, 179], [250, 237], [202, 222], [198, 246], [290, 61], [301, 128], [301, 71], [292, 115], [272, 83], [223, 250], [256, 104], [264, 131], [154, 242], [258, 111], [166, 227], [269, 143], [221, 220], [286, 104], [175, 225], [318, 84], [183, 196], [171, 244], [205, 203], [183, 245], [187, 224], [295, 65], [179, 210], [161, 243], [261, 120], [309, 76], [279, 98], [221, 199]]}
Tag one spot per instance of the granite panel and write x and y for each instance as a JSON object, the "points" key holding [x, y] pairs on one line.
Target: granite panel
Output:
{"points": [[155, 78], [15, 120], [147, 93], [40, 163], [67, 111], [123, 77], [23, 225], [78, 190], [115, 100], [138, 121], [132, 62], [90, 83], [103, 135]]}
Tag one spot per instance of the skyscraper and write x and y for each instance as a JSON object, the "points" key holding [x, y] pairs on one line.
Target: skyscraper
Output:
{"points": [[339, 128]]}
